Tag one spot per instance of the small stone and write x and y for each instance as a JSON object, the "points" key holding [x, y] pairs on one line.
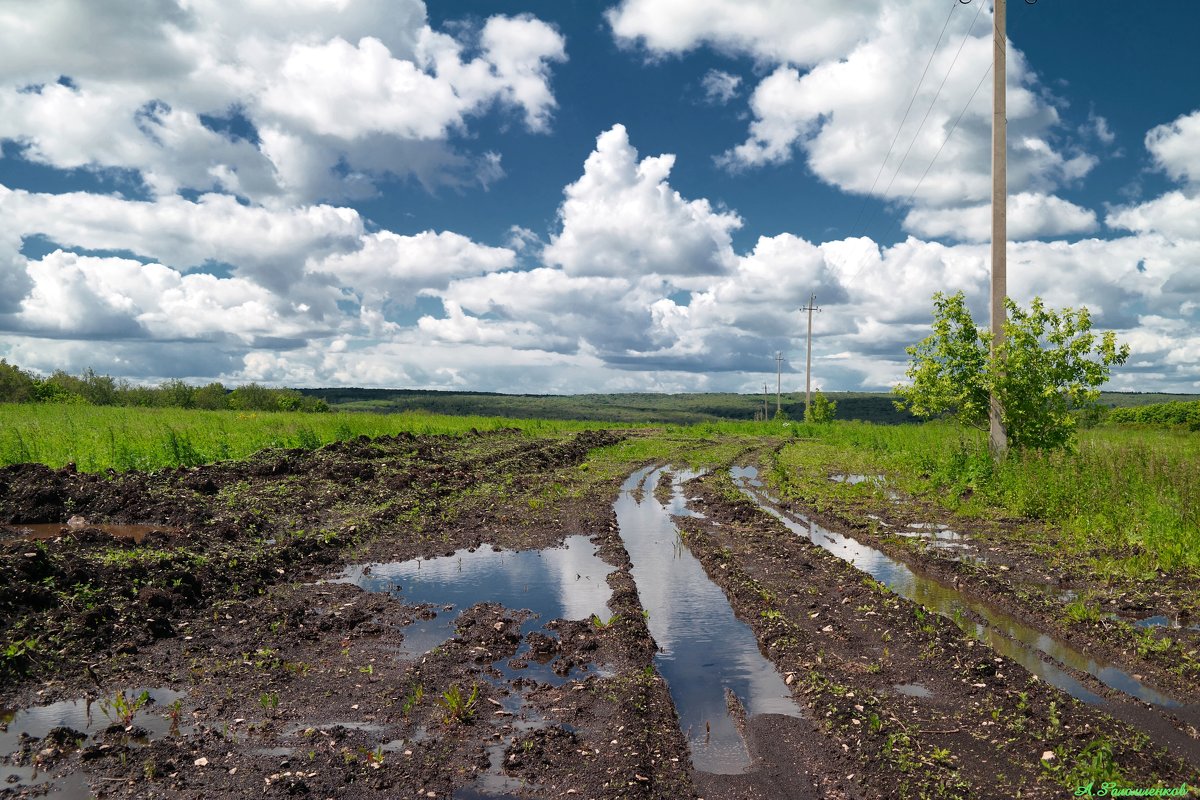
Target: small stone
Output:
{"points": [[1048, 755], [201, 762], [499, 626]]}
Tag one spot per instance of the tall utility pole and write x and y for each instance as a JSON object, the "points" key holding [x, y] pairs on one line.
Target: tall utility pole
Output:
{"points": [[997, 438], [778, 379], [810, 308], [765, 415]]}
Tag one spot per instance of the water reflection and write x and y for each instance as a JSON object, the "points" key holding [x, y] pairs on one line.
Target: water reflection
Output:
{"points": [[704, 649], [87, 717], [43, 531], [1002, 632], [567, 582]]}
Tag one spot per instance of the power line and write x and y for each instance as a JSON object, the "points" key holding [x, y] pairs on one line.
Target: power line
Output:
{"points": [[933, 102], [949, 133], [900, 127], [913, 194]]}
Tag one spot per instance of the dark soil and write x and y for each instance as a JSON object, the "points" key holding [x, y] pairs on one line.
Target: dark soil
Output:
{"points": [[296, 686]]}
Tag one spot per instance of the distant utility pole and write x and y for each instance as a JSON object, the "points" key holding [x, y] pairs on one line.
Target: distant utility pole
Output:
{"points": [[810, 308], [766, 416], [778, 379], [997, 438]]}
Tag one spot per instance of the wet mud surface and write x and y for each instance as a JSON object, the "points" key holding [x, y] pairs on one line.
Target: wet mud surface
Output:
{"points": [[469, 617]]}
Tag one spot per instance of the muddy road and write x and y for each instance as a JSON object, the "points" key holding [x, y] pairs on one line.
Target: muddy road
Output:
{"points": [[501, 615]]}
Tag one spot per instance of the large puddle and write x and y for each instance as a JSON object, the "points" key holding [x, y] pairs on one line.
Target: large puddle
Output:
{"points": [[149, 712], [1039, 653], [705, 652], [568, 582]]}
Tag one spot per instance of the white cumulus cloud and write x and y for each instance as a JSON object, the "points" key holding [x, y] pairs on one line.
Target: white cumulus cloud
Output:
{"points": [[311, 81], [1030, 215], [622, 218]]}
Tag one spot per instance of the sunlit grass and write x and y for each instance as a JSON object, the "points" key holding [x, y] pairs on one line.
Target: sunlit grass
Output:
{"points": [[96, 438], [1127, 500]]}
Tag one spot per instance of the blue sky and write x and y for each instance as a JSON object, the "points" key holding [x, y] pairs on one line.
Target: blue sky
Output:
{"points": [[568, 196]]}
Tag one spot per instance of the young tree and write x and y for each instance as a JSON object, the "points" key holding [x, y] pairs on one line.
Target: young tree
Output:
{"points": [[823, 409], [1047, 370]]}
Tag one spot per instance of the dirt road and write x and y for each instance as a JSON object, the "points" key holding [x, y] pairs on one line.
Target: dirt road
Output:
{"points": [[300, 627]]}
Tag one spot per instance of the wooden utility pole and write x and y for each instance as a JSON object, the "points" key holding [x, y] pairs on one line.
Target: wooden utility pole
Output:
{"points": [[778, 380], [766, 416], [997, 438], [810, 308]]}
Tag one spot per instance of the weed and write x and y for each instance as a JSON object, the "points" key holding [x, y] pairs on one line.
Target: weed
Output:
{"points": [[1080, 610], [458, 707], [123, 708], [16, 655], [601, 624], [174, 714], [269, 701], [1092, 765], [414, 699]]}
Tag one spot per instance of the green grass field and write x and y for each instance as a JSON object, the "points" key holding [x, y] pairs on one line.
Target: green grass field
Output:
{"points": [[96, 438], [1128, 499]]}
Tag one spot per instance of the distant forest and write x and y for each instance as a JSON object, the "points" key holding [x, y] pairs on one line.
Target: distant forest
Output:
{"points": [[668, 408], [21, 386]]}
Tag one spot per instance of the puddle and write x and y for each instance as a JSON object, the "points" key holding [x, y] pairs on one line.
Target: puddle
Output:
{"points": [[1002, 632], [913, 690], [565, 582], [568, 582], [86, 716], [851, 479], [704, 650], [44, 531], [937, 536], [274, 752], [747, 474], [855, 479], [1164, 621], [350, 725]]}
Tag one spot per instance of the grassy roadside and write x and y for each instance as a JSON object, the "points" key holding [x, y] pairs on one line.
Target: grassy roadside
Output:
{"points": [[96, 438], [1127, 503], [1115, 521]]}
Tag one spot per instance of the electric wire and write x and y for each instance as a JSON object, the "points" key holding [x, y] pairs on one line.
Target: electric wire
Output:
{"points": [[929, 166], [933, 102], [916, 91]]}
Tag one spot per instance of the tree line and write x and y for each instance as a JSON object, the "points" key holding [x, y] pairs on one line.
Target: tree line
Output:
{"points": [[1174, 414], [89, 388]]}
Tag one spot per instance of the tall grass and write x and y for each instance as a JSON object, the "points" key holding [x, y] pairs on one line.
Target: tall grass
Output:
{"points": [[1131, 496], [96, 438]]}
